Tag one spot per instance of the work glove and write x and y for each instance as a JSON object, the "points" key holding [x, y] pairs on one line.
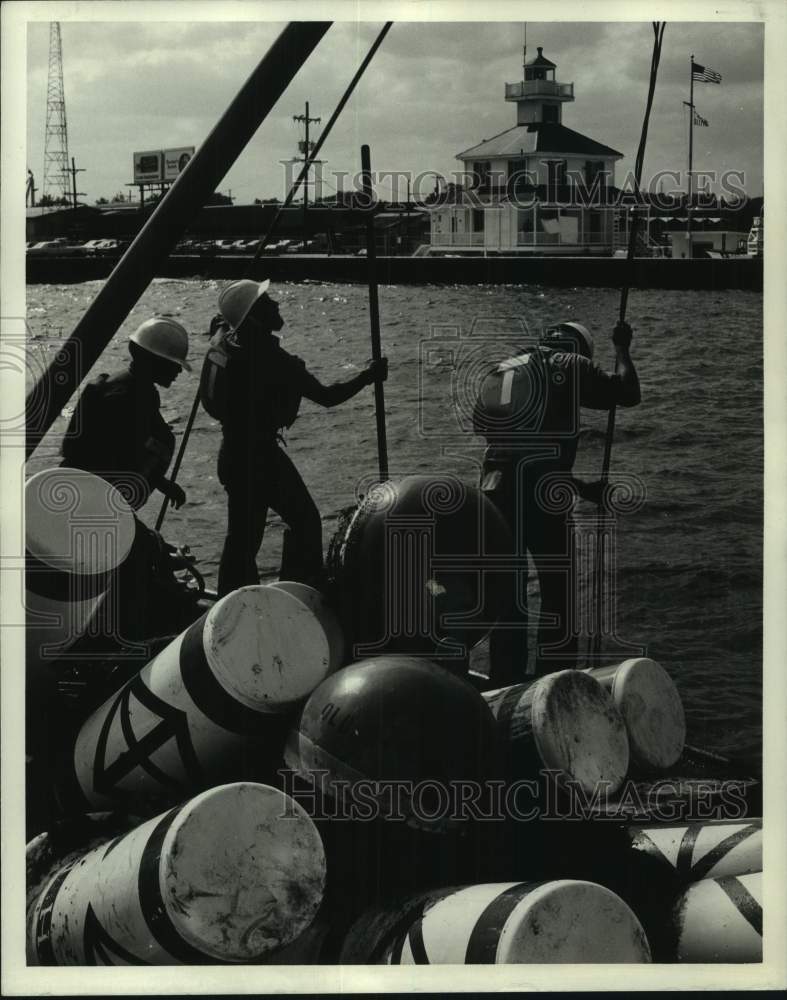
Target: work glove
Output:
{"points": [[378, 370]]}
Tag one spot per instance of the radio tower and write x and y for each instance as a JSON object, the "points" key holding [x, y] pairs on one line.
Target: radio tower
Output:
{"points": [[56, 174]]}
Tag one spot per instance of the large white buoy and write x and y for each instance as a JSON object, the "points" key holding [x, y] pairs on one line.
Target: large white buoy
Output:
{"points": [[651, 708], [519, 922], [230, 876], [180, 724], [720, 920], [78, 531], [709, 849], [564, 722], [323, 612]]}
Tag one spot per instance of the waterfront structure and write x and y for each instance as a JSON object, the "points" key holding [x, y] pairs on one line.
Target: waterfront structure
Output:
{"points": [[538, 187]]}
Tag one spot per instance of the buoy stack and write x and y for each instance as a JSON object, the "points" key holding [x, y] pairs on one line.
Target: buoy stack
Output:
{"points": [[223, 863]]}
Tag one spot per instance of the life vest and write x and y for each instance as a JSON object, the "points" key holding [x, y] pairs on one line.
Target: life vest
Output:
{"points": [[513, 397], [93, 442], [213, 379]]}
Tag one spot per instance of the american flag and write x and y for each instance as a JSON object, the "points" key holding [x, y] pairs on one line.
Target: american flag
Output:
{"points": [[699, 120], [703, 75]]}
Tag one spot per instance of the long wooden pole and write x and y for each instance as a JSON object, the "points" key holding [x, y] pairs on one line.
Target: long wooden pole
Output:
{"points": [[691, 155], [594, 646], [374, 312], [164, 228]]}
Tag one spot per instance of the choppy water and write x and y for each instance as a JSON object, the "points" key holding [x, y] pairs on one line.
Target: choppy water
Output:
{"points": [[688, 561]]}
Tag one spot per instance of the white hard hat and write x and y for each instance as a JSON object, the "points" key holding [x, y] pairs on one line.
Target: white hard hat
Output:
{"points": [[577, 332], [237, 299], [165, 338]]}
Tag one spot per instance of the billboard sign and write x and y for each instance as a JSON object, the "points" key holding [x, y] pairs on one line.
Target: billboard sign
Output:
{"points": [[148, 167], [175, 161], [158, 166]]}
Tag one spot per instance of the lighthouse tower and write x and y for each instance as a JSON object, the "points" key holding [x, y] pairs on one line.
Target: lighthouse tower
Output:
{"points": [[536, 188], [539, 97]]}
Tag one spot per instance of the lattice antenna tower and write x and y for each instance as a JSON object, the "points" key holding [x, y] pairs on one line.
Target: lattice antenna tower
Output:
{"points": [[56, 175]]}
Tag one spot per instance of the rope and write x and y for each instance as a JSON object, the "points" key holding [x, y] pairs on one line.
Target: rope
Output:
{"points": [[271, 229], [317, 147], [598, 582]]}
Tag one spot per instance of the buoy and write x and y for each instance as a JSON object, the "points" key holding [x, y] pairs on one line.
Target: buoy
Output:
{"points": [[506, 923], [411, 568], [230, 876], [651, 708], [323, 612], [78, 531], [709, 849], [720, 920], [564, 722], [182, 723], [404, 729]]}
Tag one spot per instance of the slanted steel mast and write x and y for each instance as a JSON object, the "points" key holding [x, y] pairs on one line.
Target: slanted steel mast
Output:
{"points": [[164, 228]]}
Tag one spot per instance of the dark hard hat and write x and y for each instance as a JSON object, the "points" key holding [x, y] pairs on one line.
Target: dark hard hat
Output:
{"points": [[411, 566], [397, 719]]}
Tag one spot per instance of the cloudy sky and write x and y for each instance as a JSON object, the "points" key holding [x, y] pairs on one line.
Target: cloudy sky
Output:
{"points": [[432, 90]]}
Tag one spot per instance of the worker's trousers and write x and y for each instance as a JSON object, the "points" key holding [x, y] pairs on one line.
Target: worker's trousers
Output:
{"points": [[272, 484]]}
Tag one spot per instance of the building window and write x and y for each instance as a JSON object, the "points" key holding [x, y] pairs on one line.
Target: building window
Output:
{"points": [[556, 178], [550, 113], [478, 220], [482, 170]]}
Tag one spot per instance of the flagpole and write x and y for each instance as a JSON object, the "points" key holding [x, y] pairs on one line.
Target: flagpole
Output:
{"points": [[691, 149]]}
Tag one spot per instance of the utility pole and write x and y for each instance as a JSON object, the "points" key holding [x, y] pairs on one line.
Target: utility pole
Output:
{"points": [[74, 171], [305, 147], [56, 134]]}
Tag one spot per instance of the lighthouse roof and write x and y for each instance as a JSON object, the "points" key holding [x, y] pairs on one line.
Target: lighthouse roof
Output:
{"points": [[541, 60], [538, 137]]}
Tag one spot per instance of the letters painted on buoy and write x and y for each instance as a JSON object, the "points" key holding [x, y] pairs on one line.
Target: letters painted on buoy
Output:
{"points": [[230, 876]]}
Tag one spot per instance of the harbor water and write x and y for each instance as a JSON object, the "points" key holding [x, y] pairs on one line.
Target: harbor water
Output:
{"points": [[688, 554]]}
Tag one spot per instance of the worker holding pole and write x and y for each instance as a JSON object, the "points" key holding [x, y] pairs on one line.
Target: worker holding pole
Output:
{"points": [[256, 391]]}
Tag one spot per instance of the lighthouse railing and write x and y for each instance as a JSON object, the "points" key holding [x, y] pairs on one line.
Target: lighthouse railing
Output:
{"points": [[539, 88]]}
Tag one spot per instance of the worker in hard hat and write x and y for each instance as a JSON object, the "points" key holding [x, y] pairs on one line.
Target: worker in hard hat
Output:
{"points": [[117, 430], [528, 409], [263, 391]]}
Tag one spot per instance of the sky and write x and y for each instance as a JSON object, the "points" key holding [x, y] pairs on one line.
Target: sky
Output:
{"points": [[432, 90]]}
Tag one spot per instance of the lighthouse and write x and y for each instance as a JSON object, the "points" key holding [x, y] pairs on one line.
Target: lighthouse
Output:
{"points": [[536, 188]]}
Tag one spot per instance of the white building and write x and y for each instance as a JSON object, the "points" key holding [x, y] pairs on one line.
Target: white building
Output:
{"points": [[539, 187]]}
